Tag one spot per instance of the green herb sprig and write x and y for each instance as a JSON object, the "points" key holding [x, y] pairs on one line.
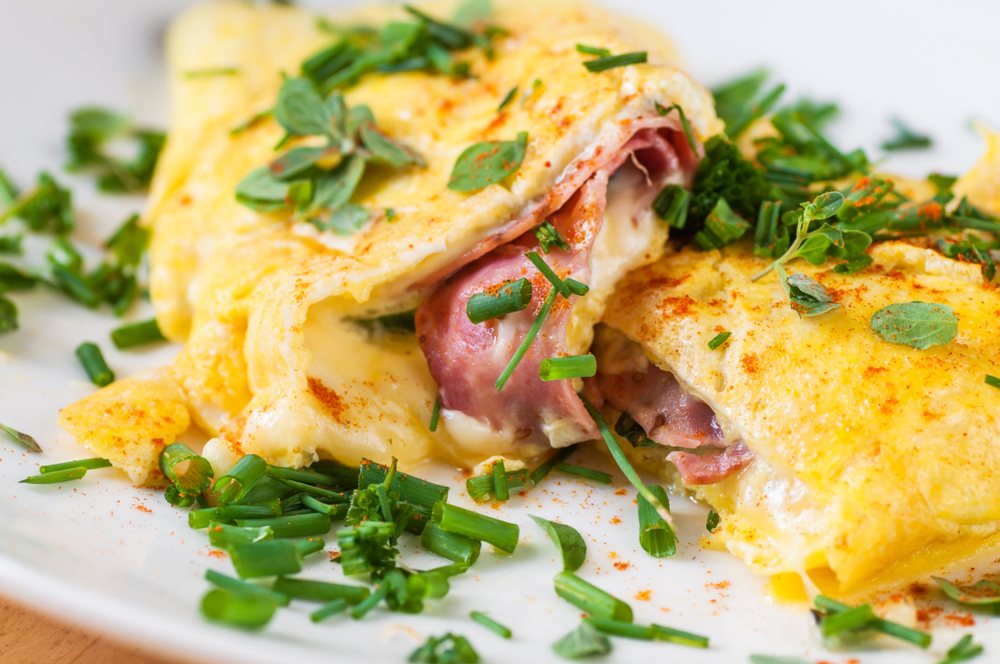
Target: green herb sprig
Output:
{"points": [[92, 129]]}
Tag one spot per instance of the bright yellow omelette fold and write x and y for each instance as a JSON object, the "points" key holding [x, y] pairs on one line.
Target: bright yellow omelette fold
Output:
{"points": [[269, 364]]}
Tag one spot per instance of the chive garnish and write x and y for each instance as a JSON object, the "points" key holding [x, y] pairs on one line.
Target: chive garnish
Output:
{"points": [[451, 648], [231, 487], [435, 415], [369, 603], [543, 312], [510, 297], [310, 546], [719, 339], [266, 558], [283, 527], [992, 380], [137, 334], [656, 536], [414, 490], [448, 571], [455, 519], [240, 587], [685, 125], [452, 546], [267, 489], [500, 490], [190, 473], [916, 637], [612, 61], [336, 512], [74, 285], [249, 610], [587, 473], [481, 488], [89, 464], [327, 610], [507, 99], [93, 363], [578, 287], [490, 624], [672, 205], [662, 633], [539, 474], [575, 366], [548, 236], [571, 545], [962, 651], [304, 476], [591, 599], [320, 591], [592, 50], [852, 619], [332, 496], [549, 273], [223, 535], [619, 628], [57, 477], [198, 519]]}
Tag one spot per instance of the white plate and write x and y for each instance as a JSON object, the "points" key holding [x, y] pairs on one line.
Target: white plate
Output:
{"points": [[121, 561]]}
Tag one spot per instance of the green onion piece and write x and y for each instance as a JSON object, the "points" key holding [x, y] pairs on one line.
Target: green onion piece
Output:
{"points": [[591, 599], [223, 536], [592, 50], [332, 496], [622, 461], [93, 363], [74, 286], [612, 61], [190, 473], [413, 490], [656, 536], [435, 415], [661, 633], [582, 642], [490, 624], [500, 481], [549, 273], [292, 501], [510, 297], [89, 464], [455, 519], [383, 500], [334, 512], [992, 380], [587, 473], [619, 628], [320, 591], [672, 204], [480, 488], [174, 497], [507, 99], [284, 527], [856, 618], [719, 339], [576, 366], [369, 603], [327, 610], [240, 587], [543, 312], [137, 334], [344, 476], [455, 547], [198, 519], [448, 571], [232, 487], [304, 476], [267, 489], [540, 473], [58, 477], [571, 545], [916, 637], [22, 439], [578, 287], [307, 547], [240, 610], [202, 501], [267, 558]]}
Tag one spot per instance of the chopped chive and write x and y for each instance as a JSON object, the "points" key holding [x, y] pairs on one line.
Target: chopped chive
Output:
{"points": [[549, 273], [619, 628], [992, 380], [78, 289], [512, 296], [591, 599], [266, 558], [506, 100], [327, 610], [448, 571], [719, 339], [455, 519], [458, 548], [662, 633], [592, 50], [490, 624], [304, 476], [685, 125], [383, 501], [481, 487], [231, 487], [543, 312], [265, 490], [333, 496], [435, 415], [539, 474], [500, 481], [97, 369], [174, 497], [137, 334], [612, 61], [210, 72], [240, 587], [852, 619], [283, 527], [344, 476], [571, 545], [712, 522], [198, 519], [248, 610], [413, 490], [916, 637], [548, 236], [58, 477], [334, 512], [202, 501], [223, 535], [190, 473], [622, 461], [291, 501], [587, 473], [656, 536], [578, 288], [89, 464], [672, 205], [310, 546], [320, 591], [962, 651], [369, 603], [575, 366]]}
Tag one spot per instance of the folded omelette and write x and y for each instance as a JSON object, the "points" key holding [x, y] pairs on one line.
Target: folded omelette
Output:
{"points": [[288, 348]]}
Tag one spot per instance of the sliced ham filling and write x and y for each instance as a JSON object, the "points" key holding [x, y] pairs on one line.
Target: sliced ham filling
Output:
{"points": [[466, 359], [673, 418]]}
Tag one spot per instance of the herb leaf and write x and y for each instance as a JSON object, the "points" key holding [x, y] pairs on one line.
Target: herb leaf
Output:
{"points": [[712, 522], [906, 139], [260, 190], [388, 150], [983, 592], [962, 651], [571, 545], [487, 163], [335, 188], [301, 111], [722, 227], [853, 265], [345, 220], [919, 325], [548, 236], [22, 439], [583, 641], [808, 297]]}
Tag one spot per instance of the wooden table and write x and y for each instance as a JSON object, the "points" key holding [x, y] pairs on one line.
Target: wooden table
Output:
{"points": [[28, 637]]}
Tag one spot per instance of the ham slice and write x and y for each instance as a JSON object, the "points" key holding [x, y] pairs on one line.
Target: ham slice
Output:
{"points": [[710, 468], [466, 359]]}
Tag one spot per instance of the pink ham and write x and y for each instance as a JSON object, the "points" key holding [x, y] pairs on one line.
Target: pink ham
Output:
{"points": [[467, 359], [710, 468]]}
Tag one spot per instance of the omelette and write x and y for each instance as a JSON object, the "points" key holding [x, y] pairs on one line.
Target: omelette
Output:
{"points": [[292, 348]]}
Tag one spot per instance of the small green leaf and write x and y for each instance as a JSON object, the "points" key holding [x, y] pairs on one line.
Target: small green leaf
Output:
{"points": [[855, 244], [984, 592], [814, 249], [357, 116], [301, 111], [825, 205], [919, 325], [262, 192], [713, 520], [335, 188], [722, 227], [864, 197], [98, 124], [300, 194], [853, 265], [962, 651], [571, 545], [584, 641], [906, 139], [395, 154], [809, 297], [297, 161], [487, 163], [129, 242], [345, 221]]}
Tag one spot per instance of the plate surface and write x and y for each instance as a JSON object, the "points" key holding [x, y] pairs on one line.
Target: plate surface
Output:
{"points": [[122, 561]]}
